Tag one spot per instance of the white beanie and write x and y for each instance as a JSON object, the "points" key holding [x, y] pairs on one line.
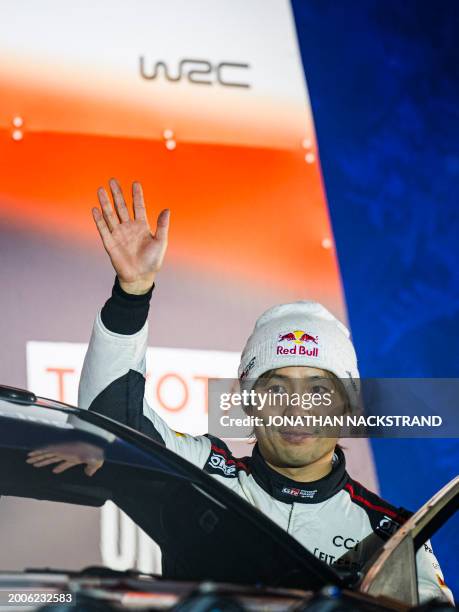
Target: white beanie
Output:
{"points": [[302, 333]]}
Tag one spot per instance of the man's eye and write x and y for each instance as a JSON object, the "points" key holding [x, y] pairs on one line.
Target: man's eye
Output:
{"points": [[320, 389], [277, 389]]}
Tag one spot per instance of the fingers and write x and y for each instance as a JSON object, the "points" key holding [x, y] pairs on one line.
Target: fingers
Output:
{"points": [[102, 227], [42, 462], [42, 458], [118, 198], [36, 457], [110, 218], [140, 212], [65, 465], [38, 452], [92, 468], [162, 225]]}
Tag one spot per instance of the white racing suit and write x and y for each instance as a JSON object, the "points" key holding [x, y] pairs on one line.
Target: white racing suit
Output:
{"points": [[336, 518]]}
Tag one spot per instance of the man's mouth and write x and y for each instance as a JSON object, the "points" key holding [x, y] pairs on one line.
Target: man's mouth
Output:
{"points": [[294, 436]]}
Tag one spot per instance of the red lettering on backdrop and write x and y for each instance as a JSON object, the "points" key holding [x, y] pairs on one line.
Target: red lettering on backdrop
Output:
{"points": [[60, 372], [159, 385], [205, 380]]}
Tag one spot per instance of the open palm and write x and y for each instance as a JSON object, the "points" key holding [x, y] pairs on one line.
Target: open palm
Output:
{"points": [[135, 252]]}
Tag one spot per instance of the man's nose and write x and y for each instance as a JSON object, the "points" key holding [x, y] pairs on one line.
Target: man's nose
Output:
{"points": [[293, 407]]}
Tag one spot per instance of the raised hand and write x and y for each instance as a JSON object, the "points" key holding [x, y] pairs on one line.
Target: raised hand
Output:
{"points": [[135, 252]]}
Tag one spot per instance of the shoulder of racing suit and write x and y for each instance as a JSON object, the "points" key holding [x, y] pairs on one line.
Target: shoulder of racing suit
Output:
{"points": [[122, 401], [221, 461], [384, 517]]}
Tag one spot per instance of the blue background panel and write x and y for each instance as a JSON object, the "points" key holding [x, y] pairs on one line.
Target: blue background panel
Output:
{"points": [[384, 84]]}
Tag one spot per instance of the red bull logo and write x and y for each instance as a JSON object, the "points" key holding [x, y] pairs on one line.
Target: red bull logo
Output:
{"points": [[296, 343], [298, 336]]}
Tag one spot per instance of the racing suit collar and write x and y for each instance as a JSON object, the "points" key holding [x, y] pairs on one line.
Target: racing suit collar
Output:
{"points": [[291, 491]]}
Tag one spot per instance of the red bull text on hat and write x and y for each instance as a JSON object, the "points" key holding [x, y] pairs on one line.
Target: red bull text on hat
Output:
{"points": [[294, 343]]}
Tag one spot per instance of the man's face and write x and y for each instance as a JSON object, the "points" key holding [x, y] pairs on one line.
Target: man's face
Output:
{"points": [[286, 445]]}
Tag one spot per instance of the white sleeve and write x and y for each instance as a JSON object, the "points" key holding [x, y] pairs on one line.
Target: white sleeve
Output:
{"points": [[113, 383], [431, 583], [109, 356]]}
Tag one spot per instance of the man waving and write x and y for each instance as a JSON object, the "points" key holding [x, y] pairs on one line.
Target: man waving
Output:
{"points": [[299, 480]]}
